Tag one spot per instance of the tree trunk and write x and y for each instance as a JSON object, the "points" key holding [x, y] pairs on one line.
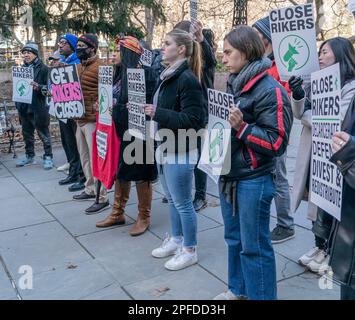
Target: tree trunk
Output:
{"points": [[38, 39], [319, 19], [149, 18]]}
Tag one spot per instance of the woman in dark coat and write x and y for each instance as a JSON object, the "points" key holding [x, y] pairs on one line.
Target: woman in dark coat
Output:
{"points": [[143, 174], [342, 257]]}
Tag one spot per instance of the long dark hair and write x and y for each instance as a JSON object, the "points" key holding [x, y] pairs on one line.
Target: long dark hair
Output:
{"points": [[344, 53]]}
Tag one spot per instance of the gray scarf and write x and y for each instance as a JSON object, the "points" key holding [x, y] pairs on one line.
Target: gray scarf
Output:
{"points": [[236, 82], [235, 85]]}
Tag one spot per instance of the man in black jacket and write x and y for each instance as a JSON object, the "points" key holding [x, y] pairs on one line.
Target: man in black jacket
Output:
{"points": [[207, 79], [35, 115]]}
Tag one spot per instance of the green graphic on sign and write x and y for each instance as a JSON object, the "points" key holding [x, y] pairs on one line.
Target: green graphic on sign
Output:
{"points": [[103, 101], [216, 142], [22, 88], [293, 52]]}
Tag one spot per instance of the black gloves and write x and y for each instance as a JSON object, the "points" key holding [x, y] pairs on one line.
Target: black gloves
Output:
{"points": [[295, 84]]}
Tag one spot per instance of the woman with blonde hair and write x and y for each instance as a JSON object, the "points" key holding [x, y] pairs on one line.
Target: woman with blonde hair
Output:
{"points": [[178, 105]]}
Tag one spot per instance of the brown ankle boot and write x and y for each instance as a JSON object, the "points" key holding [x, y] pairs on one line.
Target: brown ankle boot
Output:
{"points": [[144, 193], [117, 217]]}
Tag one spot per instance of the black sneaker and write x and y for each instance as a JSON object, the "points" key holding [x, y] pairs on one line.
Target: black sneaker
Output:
{"points": [[199, 204], [97, 207], [281, 234], [77, 186], [84, 196]]}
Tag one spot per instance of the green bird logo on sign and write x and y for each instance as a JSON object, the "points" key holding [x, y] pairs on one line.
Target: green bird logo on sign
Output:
{"points": [[293, 52], [22, 88]]}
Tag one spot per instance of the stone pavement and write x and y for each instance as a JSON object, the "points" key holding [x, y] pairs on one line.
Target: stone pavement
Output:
{"points": [[42, 227]]}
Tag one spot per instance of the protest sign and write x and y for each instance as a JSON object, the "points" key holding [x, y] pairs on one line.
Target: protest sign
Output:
{"points": [[326, 179], [215, 155], [67, 100], [351, 7], [193, 11], [136, 103], [293, 36], [147, 58], [105, 94], [22, 90]]}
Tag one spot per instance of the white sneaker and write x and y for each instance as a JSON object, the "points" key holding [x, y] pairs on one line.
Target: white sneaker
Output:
{"points": [[320, 264], [309, 256], [168, 248], [229, 295], [64, 167], [181, 260]]}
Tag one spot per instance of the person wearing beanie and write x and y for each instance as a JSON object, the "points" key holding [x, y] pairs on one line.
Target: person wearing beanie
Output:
{"points": [[67, 48], [141, 174], [35, 116], [284, 229], [88, 72]]}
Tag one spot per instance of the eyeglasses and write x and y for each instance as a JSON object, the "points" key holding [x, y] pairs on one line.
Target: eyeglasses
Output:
{"points": [[62, 43]]}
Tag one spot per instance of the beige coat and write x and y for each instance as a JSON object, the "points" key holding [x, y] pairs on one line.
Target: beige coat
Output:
{"points": [[303, 159]]}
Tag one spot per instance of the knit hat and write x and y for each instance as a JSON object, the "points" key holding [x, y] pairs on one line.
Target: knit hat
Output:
{"points": [[72, 40], [90, 39], [31, 47], [132, 44], [263, 26]]}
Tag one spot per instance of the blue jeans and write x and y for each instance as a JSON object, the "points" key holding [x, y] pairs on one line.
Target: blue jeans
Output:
{"points": [[251, 259], [176, 180]]}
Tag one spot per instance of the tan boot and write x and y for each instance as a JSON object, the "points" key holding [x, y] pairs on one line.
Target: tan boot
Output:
{"points": [[117, 217], [144, 193]]}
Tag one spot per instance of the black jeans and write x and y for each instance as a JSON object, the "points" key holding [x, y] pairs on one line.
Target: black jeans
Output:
{"points": [[30, 121], [200, 178], [67, 133]]}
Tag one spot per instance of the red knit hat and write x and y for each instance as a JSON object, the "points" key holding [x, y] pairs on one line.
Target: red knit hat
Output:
{"points": [[131, 43]]}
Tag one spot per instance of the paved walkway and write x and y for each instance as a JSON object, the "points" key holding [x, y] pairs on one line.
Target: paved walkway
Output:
{"points": [[42, 227]]}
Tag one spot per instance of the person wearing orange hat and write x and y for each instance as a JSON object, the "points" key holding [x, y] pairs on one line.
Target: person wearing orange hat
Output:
{"points": [[142, 174]]}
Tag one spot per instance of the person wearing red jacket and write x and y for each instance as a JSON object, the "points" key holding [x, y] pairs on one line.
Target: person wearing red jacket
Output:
{"points": [[284, 229]]}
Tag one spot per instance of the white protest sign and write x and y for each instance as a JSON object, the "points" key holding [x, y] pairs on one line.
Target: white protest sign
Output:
{"points": [[193, 11], [351, 7], [101, 142], [105, 94], [293, 36], [136, 102], [147, 58], [22, 91], [326, 179], [215, 154], [67, 100]]}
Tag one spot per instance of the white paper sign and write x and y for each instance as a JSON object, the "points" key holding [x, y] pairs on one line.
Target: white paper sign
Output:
{"points": [[326, 179], [105, 94], [136, 102], [193, 10], [22, 91], [147, 58], [293, 36], [215, 154], [101, 141]]}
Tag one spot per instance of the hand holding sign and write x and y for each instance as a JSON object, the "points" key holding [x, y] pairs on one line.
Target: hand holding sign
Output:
{"points": [[196, 30], [35, 85], [149, 110], [236, 118], [339, 140]]}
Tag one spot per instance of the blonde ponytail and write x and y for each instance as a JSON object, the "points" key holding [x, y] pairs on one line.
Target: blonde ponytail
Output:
{"points": [[193, 50]]}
